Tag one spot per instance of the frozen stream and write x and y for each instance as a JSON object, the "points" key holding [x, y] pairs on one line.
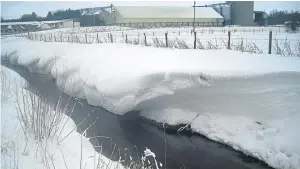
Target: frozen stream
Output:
{"points": [[273, 93]]}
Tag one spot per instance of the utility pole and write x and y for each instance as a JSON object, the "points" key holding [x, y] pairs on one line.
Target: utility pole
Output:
{"points": [[194, 16]]}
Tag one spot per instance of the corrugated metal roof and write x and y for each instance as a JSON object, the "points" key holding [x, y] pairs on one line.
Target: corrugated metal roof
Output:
{"points": [[166, 12]]}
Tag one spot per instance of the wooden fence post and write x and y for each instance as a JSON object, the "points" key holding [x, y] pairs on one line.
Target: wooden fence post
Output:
{"points": [[145, 39], [229, 36], [86, 38], [195, 38], [126, 40], [97, 38], [111, 38], [28, 35], [166, 35], [270, 42]]}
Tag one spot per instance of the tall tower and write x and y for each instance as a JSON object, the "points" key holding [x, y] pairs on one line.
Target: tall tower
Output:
{"points": [[242, 13]]}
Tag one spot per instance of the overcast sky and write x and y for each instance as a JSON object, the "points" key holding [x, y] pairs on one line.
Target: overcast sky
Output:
{"points": [[11, 10]]}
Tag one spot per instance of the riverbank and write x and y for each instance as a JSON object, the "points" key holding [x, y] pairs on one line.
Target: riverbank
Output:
{"points": [[132, 133], [164, 93]]}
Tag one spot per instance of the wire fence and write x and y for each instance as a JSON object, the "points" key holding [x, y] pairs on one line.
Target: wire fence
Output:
{"points": [[258, 43]]}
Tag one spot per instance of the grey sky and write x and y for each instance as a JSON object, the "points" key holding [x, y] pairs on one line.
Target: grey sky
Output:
{"points": [[16, 9]]}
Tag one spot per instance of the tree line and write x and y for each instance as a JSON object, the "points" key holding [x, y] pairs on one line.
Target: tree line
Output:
{"points": [[58, 15], [279, 17]]}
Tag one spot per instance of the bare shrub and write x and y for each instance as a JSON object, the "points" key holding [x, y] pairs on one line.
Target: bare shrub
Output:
{"points": [[5, 92], [37, 116], [210, 46], [199, 44], [298, 49], [177, 43], [158, 42], [278, 50], [287, 47]]}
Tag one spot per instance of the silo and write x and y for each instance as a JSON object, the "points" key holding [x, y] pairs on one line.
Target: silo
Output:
{"points": [[242, 13], [226, 11]]}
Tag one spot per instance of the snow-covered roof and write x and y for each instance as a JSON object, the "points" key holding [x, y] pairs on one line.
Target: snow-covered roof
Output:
{"points": [[166, 12]]}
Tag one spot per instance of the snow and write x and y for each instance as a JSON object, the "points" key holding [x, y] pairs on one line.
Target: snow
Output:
{"points": [[167, 84], [16, 152], [246, 39], [167, 12]]}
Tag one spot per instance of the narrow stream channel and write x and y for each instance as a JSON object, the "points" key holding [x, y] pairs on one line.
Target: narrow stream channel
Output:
{"points": [[134, 133]]}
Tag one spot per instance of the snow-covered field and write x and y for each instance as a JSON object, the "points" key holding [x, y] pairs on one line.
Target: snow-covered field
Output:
{"points": [[122, 77], [245, 39]]}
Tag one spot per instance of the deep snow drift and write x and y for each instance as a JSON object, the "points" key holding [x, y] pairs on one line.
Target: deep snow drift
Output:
{"points": [[121, 78]]}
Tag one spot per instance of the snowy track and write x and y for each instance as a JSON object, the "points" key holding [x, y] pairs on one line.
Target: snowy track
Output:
{"points": [[121, 78]]}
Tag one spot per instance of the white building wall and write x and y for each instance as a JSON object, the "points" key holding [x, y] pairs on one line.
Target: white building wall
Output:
{"points": [[45, 26], [68, 24], [76, 24]]}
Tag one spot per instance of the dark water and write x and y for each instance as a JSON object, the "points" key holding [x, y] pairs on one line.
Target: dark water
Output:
{"points": [[132, 132]]}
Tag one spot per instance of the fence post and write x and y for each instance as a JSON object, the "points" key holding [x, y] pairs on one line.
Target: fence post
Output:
{"points": [[86, 38], [28, 35], [179, 33], [195, 37], [166, 35], [97, 38], [126, 40], [111, 38], [229, 36], [270, 42], [145, 39]]}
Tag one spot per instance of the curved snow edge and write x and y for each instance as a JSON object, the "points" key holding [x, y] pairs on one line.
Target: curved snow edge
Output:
{"points": [[150, 86]]}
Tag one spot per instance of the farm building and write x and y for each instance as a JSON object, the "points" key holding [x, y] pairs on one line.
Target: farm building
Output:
{"points": [[21, 27], [94, 16], [67, 23], [236, 12], [134, 16]]}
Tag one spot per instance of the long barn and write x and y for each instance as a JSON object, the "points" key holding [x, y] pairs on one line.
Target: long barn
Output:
{"points": [[138, 16]]}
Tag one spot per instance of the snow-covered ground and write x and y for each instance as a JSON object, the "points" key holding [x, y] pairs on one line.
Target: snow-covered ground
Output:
{"points": [[23, 151], [245, 39], [121, 77]]}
